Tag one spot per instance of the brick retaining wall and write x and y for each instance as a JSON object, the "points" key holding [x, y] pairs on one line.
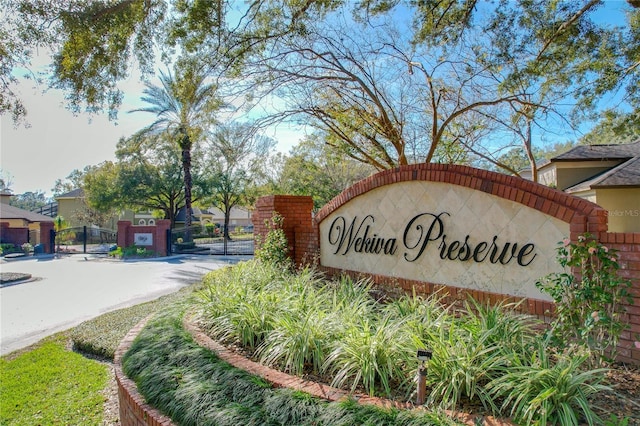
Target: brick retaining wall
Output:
{"points": [[133, 410]]}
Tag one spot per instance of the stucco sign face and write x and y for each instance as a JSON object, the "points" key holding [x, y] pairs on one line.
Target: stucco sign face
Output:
{"points": [[443, 234], [143, 239]]}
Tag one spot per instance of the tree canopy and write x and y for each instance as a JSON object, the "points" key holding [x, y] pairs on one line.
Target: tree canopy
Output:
{"points": [[313, 169], [388, 82], [147, 176], [235, 161]]}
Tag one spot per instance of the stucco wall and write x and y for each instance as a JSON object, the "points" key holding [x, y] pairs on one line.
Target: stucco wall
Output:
{"points": [[622, 206]]}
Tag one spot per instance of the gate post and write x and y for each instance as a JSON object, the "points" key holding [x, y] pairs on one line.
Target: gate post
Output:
{"points": [[52, 241], [124, 239], [47, 237], [84, 239], [161, 228], [168, 239]]}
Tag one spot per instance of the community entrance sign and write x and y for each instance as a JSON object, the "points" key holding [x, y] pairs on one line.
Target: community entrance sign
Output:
{"points": [[466, 232], [444, 234]]}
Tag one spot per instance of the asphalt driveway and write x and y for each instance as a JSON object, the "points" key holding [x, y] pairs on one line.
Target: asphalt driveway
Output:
{"points": [[69, 290]]}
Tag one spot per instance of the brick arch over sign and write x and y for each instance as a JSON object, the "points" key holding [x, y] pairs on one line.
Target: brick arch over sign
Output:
{"points": [[583, 215], [567, 215]]}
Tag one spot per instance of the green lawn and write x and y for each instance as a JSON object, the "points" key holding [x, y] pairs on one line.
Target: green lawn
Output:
{"points": [[52, 386]]}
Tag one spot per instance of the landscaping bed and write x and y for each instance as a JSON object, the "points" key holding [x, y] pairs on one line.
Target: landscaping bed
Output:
{"points": [[11, 277], [171, 351], [101, 336], [462, 376]]}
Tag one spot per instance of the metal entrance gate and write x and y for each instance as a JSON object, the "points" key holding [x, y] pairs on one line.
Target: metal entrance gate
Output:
{"points": [[85, 239], [194, 241]]}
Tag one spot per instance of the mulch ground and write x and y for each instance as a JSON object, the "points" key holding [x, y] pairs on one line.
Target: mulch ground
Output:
{"points": [[624, 401]]}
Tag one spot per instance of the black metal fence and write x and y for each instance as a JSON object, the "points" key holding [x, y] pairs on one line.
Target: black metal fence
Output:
{"points": [[199, 240], [84, 239]]}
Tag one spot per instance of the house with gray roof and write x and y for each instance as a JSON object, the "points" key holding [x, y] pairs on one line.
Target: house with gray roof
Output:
{"points": [[19, 218], [608, 175], [18, 226]]}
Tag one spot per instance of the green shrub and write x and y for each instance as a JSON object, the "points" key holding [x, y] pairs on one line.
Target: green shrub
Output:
{"points": [[275, 247], [185, 245], [588, 297], [8, 248], [132, 252]]}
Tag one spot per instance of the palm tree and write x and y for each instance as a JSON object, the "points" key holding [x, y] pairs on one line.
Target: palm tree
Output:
{"points": [[184, 106]]}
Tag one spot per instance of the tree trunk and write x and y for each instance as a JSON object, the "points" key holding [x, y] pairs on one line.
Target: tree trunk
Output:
{"points": [[186, 165], [227, 215], [529, 150]]}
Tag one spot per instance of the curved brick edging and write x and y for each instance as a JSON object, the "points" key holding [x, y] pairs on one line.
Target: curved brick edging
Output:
{"points": [[133, 410], [279, 379]]}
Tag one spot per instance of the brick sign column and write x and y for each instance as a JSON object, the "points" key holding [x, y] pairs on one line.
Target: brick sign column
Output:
{"points": [[45, 236], [152, 237], [297, 225]]}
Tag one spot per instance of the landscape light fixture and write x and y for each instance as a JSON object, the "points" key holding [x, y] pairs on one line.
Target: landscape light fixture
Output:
{"points": [[423, 355]]}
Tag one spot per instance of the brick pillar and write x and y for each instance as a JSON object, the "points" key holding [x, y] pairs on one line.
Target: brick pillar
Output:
{"points": [[4, 231], [124, 239], [297, 224], [160, 239], [45, 236]]}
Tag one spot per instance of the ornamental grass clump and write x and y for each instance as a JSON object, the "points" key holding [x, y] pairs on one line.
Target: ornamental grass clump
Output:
{"points": [[546, 389], [302, 329], [236, 304], [337, 330], [371, 354], [296, 322]]}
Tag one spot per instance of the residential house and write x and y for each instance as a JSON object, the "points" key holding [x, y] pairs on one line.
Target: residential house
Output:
{"points": [[608, 175], [239, 217], [73, 202], [19, 218]]}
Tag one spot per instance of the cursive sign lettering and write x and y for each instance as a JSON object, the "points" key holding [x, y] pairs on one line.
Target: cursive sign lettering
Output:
{"points": [[422, 231], [356, 236]]}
